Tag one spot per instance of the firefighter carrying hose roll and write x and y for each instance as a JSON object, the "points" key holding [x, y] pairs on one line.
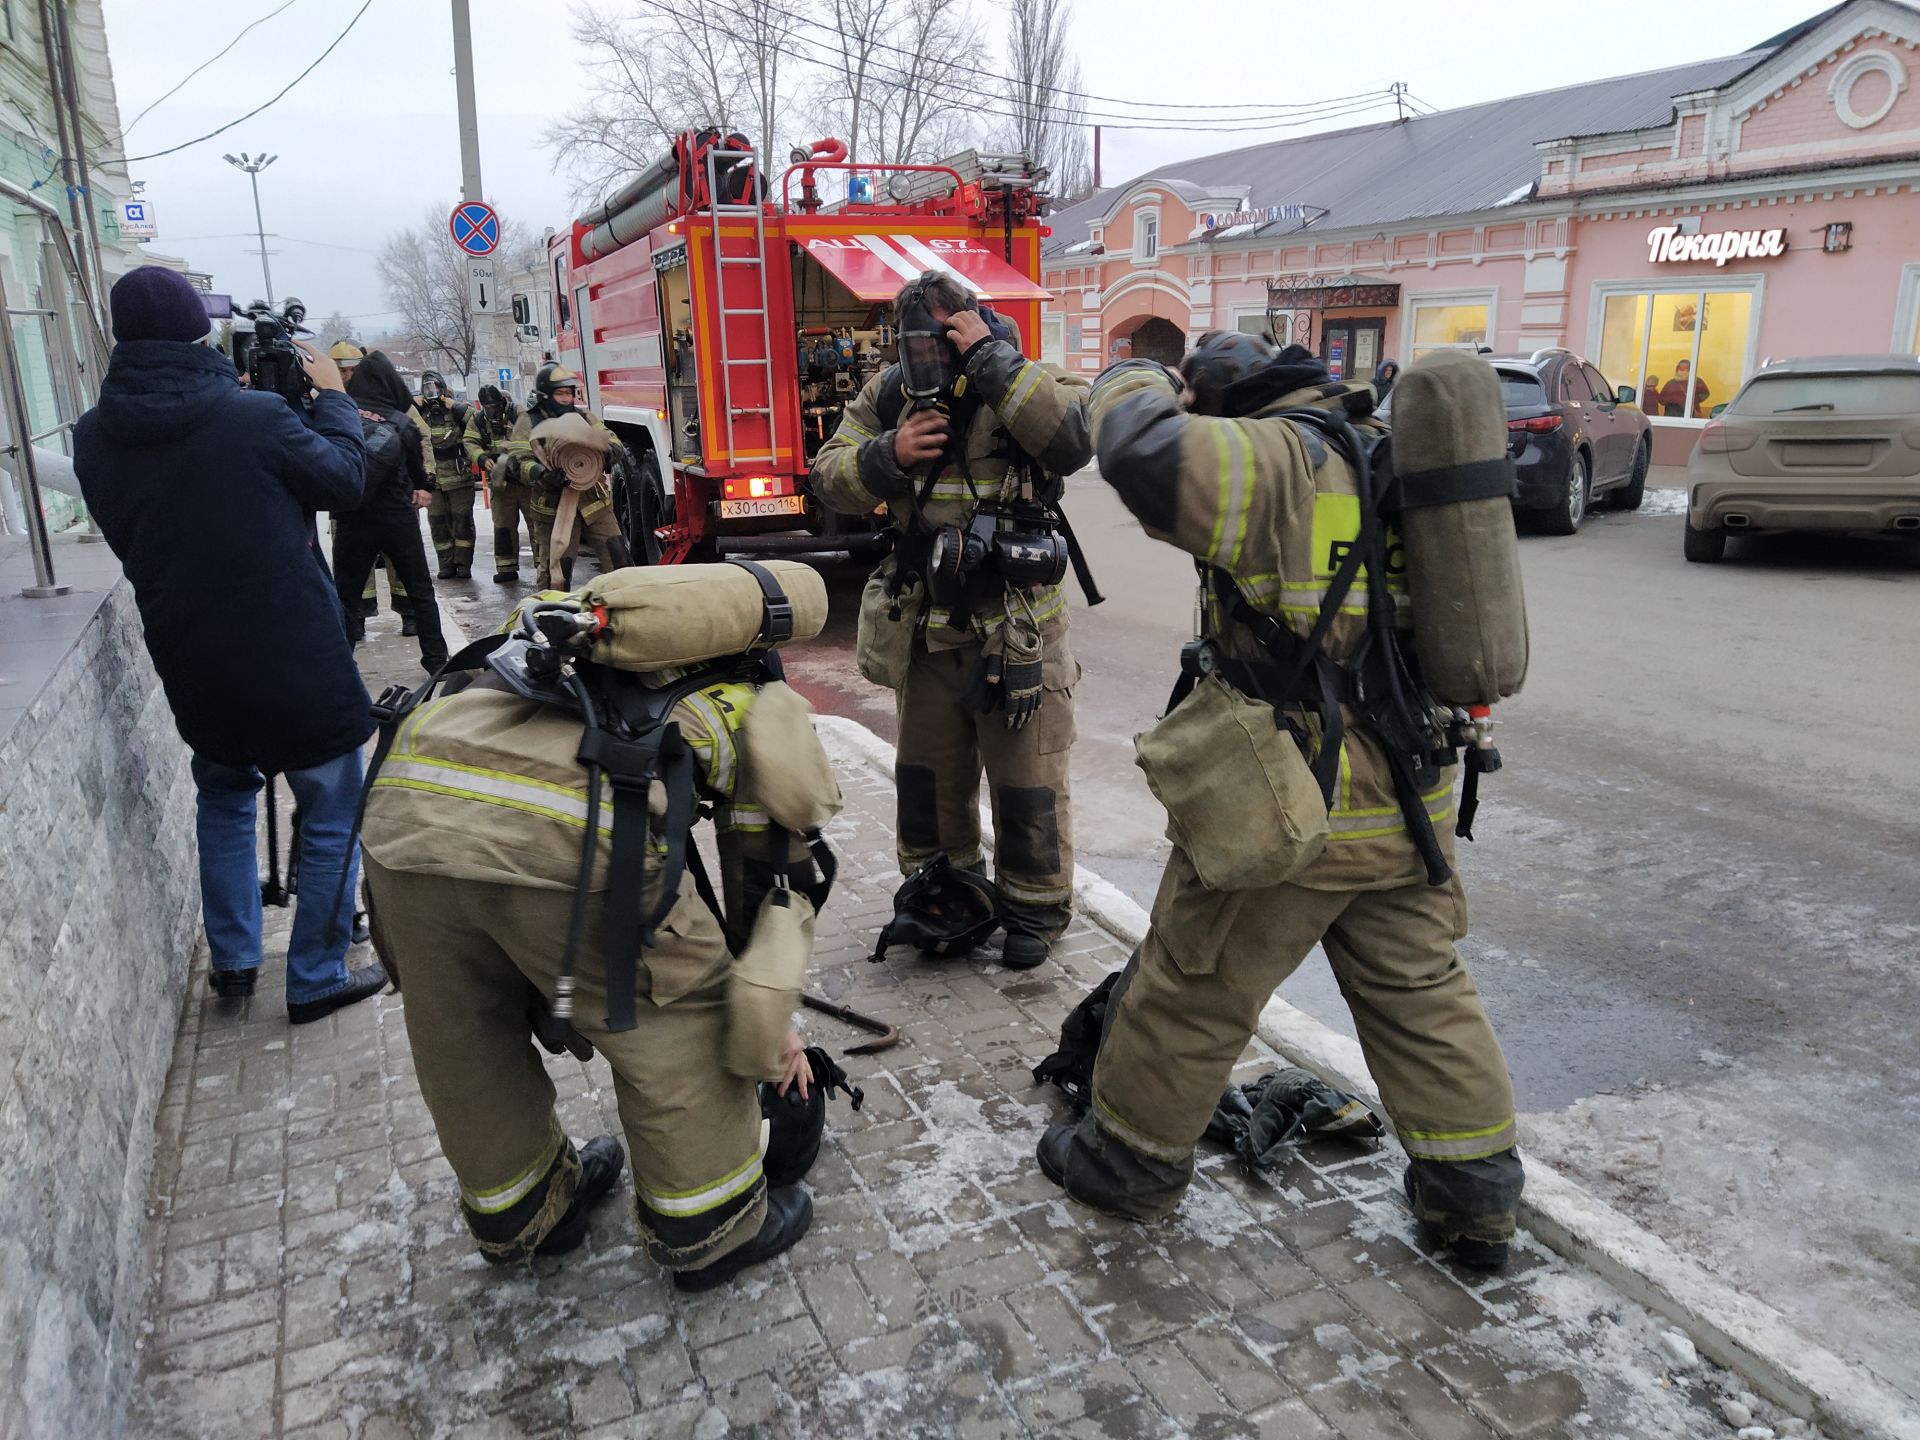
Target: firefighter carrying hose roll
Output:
{"points": [[966, 442], [556, 392]]}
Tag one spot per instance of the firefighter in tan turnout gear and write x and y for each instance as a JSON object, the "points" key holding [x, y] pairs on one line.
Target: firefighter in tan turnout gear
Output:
{"points": [[556, 392], [509, 498], [597, 736], [974, 647], [450, 514], [1278, 700]]}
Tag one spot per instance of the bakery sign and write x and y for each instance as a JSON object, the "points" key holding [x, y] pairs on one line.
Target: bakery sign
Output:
{"points": [[1666, 245]]}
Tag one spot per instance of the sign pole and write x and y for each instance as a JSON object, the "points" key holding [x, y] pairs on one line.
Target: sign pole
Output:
{"points": [[485, 330]]}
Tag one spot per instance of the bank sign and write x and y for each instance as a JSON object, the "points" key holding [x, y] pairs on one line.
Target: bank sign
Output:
{"points": [[1265, 215], [1666, 245]]}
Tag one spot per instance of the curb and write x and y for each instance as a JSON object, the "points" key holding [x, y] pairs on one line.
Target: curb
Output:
{"points": [[1736, 1331]]}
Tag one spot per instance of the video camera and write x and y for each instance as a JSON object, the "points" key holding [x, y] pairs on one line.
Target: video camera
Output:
{"points": [[274, 366], [1021, 540]]}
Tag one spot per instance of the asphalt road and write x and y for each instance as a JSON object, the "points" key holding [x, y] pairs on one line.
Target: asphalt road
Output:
{"points": [[1695, 895]]}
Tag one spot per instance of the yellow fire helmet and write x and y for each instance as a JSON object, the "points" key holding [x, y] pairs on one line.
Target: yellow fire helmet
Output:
{"points": [[345, 353]]}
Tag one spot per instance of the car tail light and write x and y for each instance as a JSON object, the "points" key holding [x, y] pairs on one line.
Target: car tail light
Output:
{"points": [[1719, 439], [1538, 425]]}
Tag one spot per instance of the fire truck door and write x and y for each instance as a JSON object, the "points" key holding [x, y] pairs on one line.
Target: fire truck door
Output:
{"points": [[590, 371]]}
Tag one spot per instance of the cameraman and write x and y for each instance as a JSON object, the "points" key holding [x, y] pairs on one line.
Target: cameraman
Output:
{"points": [[963, 418], [207, 492]]}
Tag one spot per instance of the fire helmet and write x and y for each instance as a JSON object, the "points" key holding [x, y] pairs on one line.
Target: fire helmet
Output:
{"points": [[550, 377], [1222, 357], [346, 354]]}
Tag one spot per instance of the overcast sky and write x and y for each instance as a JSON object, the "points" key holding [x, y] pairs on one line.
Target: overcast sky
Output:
{"points": [[369, 141]]}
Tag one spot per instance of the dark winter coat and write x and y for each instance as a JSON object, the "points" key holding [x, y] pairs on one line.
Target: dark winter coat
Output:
{"points": [[206, 492], [382, 396]]}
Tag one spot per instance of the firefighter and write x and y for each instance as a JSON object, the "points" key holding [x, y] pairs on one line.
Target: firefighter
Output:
{"points": [[479, 941], [450, 516], [1273, 504], [556, 392], [347, 355], [988, 679], [508, 496]]}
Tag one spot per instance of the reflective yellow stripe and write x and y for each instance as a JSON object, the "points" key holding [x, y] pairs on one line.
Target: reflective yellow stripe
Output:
{"points": [[740, 819], [505, 1197], [1461, 1145], [859, 432], [1373, 822], [1225, 499], [1023, 389], [707, 1197], [1053, 603], [1242, 489], [463, 782]]}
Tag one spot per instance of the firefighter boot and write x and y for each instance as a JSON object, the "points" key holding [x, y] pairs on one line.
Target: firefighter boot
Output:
{"points": [[1466, 1207], [789, 1213], [601, 1161], [1098, 1170]]}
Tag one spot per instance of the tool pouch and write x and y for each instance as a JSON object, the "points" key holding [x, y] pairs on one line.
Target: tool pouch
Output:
{"points": [[888, 621], [784, 769], [763, 987], [1240, 799]]}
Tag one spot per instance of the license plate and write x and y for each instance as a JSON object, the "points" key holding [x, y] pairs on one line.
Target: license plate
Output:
{"points": [[1826, 454], [770, 505]]}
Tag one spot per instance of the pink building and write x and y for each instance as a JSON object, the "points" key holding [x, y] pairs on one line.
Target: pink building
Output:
{"points": [[1678, 227]]}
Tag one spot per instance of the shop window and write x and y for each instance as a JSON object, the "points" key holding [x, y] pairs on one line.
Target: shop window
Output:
{"points": [[1146, 236], [1683, 352], [1441, 325], [1053, 339]]}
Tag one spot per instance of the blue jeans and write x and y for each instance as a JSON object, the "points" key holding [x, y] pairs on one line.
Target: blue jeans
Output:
{"points": [[327, 796]]}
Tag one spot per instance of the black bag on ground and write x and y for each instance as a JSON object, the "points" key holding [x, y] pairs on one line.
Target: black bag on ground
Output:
{"points": [[795, 1125], [1071, 1066], [941, 910], [1261, 1122]]}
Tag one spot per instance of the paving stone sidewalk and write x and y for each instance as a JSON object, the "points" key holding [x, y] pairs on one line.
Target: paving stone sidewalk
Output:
{"points": [[312, 1277]]}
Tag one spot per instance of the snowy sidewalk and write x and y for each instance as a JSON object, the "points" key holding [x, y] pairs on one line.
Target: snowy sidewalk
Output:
{"points": [[313, 1278]]}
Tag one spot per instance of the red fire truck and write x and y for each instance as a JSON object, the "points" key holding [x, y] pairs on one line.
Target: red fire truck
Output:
{"points": [[721, 327]]}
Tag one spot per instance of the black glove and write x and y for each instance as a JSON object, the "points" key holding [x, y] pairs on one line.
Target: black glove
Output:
{"points": [[880, 472], [1021, 691]]}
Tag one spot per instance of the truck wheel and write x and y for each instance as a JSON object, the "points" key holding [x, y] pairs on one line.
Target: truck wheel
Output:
{"points": [[1704, 547], [1634, 493], [1565, 517], [643, 507]]}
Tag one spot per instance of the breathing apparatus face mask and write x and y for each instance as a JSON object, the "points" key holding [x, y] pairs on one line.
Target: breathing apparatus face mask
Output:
{"points": [[929, 363]]}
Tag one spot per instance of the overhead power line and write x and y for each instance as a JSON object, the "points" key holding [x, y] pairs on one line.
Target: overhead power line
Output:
{"points": [[127, 128], [198, 140]]}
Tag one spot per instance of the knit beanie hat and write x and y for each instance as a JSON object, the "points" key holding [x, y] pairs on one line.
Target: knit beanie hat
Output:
{"points": [[151, 303]]}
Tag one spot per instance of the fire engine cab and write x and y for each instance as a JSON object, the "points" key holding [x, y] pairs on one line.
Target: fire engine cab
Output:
{"points": [[721, 331]]}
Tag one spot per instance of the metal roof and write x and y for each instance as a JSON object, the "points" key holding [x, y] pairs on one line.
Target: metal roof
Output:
{"points": [[1451, 163], [1841, 365]]}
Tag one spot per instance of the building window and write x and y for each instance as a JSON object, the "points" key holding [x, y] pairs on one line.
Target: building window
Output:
{"points": [[1906, 313], [1684, 352], [1146, 236], [1053, 339], [1450, 323]]}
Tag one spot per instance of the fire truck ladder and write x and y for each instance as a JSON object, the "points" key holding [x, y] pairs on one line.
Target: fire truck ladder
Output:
{"points": [[722, 263]]}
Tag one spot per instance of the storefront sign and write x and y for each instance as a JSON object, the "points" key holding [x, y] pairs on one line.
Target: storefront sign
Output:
{"points": [[1265, 215], [1666, 245]]}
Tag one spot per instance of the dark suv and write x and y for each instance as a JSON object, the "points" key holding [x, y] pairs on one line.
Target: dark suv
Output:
{"points": [[1572, 438]]}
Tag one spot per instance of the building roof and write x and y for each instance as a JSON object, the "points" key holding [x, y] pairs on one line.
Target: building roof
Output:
{"points": [[1454, 162]]}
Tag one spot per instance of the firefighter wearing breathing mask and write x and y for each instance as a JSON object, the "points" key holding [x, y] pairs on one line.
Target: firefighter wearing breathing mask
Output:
{"points": [[966, 443], [1307, 803]]}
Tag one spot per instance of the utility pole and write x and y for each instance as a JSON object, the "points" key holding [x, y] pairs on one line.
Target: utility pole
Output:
{"points": [[1096, 157], [253, 165], [485, 327]]}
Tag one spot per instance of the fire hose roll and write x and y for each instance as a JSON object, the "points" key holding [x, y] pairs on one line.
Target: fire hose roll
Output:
{"points": [[662, 616], [1456, 527]]}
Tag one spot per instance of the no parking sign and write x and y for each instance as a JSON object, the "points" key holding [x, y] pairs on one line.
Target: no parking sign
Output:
{"points": [[475, 227]]}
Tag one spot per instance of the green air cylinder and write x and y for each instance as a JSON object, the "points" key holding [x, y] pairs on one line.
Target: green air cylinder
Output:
{"points": [[1456, 526]]}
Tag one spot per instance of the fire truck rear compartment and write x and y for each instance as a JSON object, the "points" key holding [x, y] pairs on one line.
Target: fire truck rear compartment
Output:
{"points": [[838, 345]]}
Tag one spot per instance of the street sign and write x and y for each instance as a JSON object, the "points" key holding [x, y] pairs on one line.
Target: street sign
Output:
{"points": [[506, 376], [476, 229], [482, 297], [136, 220]]}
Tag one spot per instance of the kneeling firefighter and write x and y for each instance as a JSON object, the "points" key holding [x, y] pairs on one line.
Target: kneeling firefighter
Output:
{"points": [[1355, 601], [533, 872], [966, 442]]}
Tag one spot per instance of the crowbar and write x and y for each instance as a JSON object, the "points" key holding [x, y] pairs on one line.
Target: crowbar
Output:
{"points": [[889, 1035]]}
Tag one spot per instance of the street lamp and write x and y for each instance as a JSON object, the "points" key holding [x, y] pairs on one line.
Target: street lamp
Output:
{"points": [[253, 165]]}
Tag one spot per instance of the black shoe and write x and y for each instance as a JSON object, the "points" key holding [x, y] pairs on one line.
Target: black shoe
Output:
{"points": [[463, 572], [789, 1213], [506, 577], [1461, 1249], [445, 572], [431, 663], [362, 932], [233, 984], [1023, 951], [360, 985], [1052, 1153], [369, 608], [601, 1161], [409, 626]]}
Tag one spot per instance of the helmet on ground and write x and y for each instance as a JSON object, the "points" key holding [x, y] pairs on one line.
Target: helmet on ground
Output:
{"points": [[942, 910], [1222, 357], [795, 1123], [433, 385]]}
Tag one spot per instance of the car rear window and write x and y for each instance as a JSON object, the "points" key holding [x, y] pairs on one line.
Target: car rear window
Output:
{"points": [[1522, 392], [1830, 394]]}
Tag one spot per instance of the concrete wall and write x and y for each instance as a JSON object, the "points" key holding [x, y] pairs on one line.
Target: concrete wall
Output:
{"points": [[99, 906]]}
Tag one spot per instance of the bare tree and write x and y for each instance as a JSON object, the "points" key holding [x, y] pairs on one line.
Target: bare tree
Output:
{"points": [[1045, 119], [425, 277], [890, 86], [660, 70], [335, 328]]}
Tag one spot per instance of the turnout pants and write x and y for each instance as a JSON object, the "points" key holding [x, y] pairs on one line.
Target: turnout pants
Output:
{"points": [[1193, 992], [596, 524], [394, 533], [511, 503], [450, 518], [944, 744], [472, 956]]}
